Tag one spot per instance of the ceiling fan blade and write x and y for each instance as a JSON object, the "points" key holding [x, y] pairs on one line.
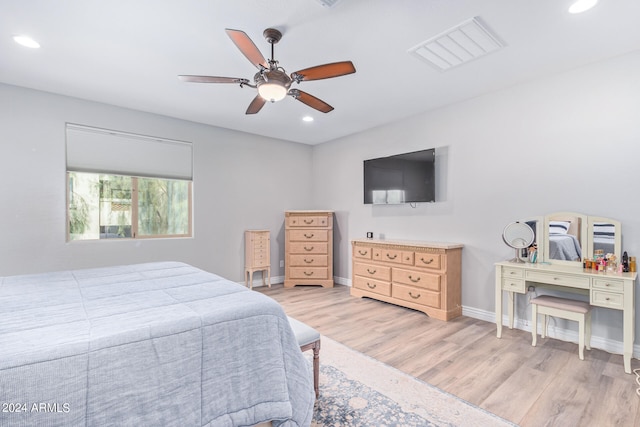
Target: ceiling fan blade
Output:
{"points": [[326, 71], [247, 47], [256, 105], [212, 79], [310, 100]]}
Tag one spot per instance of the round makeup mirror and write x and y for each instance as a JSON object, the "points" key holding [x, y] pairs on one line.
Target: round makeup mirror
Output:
{"points": [[518, 235]]}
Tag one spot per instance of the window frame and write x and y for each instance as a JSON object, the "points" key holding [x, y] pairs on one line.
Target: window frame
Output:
{"points": [[134, 208]]}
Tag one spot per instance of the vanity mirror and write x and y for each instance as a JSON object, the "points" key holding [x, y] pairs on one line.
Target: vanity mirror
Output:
{"points": [[605, 234], [519, 236], [566, 237], [570, 237]]}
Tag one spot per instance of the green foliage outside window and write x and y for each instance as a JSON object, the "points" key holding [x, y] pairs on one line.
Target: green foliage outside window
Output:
{"points": [[104, 206]]}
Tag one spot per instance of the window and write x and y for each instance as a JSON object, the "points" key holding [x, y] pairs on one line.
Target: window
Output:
{"points": [[103, 206], [122, 185]]}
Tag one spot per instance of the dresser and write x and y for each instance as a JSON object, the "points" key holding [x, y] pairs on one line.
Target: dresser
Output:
{"points": [[308, 248], [257, 250], [614, 291], [424, 276]]}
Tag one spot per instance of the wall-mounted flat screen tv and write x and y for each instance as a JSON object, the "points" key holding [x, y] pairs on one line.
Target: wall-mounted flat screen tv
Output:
{"points": [[403, 178]]}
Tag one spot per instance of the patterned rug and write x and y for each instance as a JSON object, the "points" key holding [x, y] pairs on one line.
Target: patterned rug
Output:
{"points": [[359, 391]]}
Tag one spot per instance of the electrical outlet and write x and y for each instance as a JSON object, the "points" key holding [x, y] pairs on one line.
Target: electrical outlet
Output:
{"points": [[281, 263]]}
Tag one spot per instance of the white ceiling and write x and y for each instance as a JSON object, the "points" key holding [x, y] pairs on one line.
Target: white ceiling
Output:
{"points": [[129, 52]]}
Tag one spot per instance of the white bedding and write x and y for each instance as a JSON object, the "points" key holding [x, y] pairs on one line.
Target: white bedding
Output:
{"points": [[157, 344]]}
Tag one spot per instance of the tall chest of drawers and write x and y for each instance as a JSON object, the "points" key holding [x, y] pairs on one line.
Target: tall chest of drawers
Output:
{"points": [[308, 248], [257, 250], [420, 275]]}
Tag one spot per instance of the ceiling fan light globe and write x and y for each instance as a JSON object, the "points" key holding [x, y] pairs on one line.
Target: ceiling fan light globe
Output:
{"points": [[272, 91]]}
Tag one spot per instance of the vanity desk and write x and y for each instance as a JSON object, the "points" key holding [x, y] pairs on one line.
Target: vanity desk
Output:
{"points": [[607, 289]]}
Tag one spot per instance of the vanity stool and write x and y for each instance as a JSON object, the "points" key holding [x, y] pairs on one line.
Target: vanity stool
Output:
{"points": [[569, 309], [308, 339]]}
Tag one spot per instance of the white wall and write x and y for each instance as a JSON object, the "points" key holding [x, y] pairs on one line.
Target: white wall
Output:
{"points": [[570, 142], [241, 181]]}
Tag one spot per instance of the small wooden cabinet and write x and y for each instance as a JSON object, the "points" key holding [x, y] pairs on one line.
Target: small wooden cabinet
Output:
{"points": [[418, 275], [257, 250], [308, 248]]}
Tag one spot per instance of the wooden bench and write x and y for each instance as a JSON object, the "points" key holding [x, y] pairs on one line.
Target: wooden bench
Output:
{"points": [[579, 311], [308, 339]]}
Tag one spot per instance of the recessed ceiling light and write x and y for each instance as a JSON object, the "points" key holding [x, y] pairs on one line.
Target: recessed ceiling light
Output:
{"points": [[26, 41], [307, 119], [582, 5]]}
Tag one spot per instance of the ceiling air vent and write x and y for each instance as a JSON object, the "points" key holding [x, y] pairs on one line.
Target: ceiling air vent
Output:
{"points": [[328, 3], [458, 45]]}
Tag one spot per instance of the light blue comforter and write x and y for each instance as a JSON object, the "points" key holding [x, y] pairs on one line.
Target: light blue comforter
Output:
{"points": [[157, 344]]}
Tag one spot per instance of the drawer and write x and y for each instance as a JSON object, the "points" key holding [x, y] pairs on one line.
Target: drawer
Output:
{"points": [[390, 255], [310, 260], [259, 238], [514, 273], [307, 221], [428, 260], [407, 257], [372, 271], [611, 285], [309, 235], [309, 272], [513, 285], [416, 295], [372, 285], [607, 299], [260, 254], [262, 262], [361, 252], [416, 278], [558, 279], [308, 248]]}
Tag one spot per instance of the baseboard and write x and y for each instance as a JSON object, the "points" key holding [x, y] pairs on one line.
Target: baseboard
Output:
{"points": [[608, 345], [342, 281]]}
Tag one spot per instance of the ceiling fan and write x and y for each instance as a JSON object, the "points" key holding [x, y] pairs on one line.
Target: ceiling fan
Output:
{"points": [[271, 80]]}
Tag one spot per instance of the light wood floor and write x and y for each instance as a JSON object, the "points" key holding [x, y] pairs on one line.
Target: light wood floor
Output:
{"points": [[547, 385]]}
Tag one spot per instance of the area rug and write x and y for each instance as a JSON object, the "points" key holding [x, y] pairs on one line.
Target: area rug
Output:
{"points": [[357, 391]]}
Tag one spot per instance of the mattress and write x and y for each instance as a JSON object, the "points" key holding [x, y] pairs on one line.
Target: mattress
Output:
{"points": [[155, 344]]}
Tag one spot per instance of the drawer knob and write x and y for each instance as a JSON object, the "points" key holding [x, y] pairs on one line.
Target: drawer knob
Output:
{"points": [[391, 257], [512, 272], [363, 253], [425, 261], [414, 296], [308, 274], [371, 286], [308, 249], [308, 261], [308, 236], [308, 221], [414, 280], [371, 272]]}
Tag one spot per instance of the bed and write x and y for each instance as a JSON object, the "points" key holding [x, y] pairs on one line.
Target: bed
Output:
{"points": [[147, 345], [564, 239], [564, 247]]}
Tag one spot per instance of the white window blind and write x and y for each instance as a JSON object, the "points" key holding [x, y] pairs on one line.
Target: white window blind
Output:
{"points": [[100, 150]]}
